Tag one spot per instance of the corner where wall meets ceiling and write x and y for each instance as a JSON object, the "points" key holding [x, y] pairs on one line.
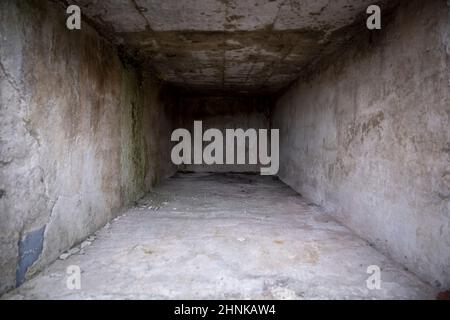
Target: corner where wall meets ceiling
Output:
{"points": [[243, 47]]}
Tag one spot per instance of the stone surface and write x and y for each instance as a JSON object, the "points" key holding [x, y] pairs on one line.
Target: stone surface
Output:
{"points": [[368, 138], [292, 250], [234, 46]]}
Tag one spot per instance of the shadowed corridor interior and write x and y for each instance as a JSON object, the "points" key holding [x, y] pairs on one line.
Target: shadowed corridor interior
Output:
{"points": [[87, 178]]}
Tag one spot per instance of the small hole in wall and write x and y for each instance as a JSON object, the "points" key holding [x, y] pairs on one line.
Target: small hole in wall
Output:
{"points": [[2, 193]]}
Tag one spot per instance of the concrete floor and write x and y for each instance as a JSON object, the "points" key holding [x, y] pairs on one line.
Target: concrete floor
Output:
{"points": [[225, 236]]}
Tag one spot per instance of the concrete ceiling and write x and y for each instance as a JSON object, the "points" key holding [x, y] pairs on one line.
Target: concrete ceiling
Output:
{"points": [[244, 46]]}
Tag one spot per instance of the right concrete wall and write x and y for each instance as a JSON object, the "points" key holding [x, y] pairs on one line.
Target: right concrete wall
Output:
{"points": [[368, 138]]}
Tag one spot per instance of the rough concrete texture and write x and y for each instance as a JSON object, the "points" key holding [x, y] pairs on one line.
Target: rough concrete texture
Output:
{"points": [[85, 130], [226, 45], [223, 113], [288, 249], [368, 138], [78, 135]]}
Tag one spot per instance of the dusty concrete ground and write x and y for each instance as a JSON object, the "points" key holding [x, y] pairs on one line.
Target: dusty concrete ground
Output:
{"points": [[224, 236]]}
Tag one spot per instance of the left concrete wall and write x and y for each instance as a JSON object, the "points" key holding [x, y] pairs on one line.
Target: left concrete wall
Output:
{"points": [[82, 134]]}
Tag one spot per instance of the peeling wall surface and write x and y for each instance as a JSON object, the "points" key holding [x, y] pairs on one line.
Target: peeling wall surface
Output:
{"points": [[79, 136], [223, 113], [368, 138]]}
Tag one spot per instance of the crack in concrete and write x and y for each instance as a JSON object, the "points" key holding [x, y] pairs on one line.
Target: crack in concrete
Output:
{"points": [[148, 27], [223, 67], [30, 131], [9, 78], [278, 14]]}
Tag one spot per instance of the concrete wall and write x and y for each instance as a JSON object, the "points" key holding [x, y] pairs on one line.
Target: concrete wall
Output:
{"points": [[81, 135], [223, 113], [368, 137]]}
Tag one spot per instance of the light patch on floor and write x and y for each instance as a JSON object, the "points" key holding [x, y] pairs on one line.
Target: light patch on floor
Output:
{"points": [[225, 236]]}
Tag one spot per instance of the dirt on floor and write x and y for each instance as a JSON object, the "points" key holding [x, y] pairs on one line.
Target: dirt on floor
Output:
{"points": [[224, 236]]}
